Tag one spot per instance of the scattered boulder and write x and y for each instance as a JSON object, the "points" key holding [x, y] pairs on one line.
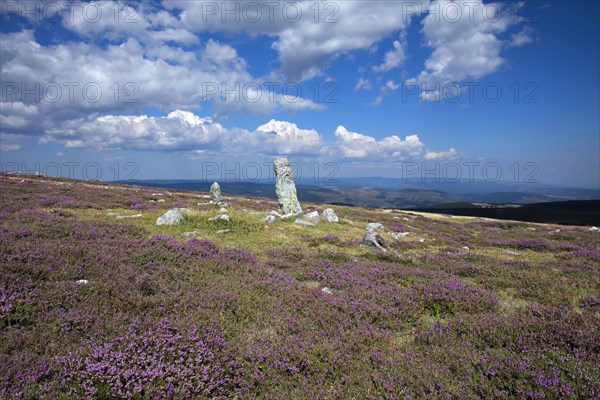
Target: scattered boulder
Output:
{"points": [[302, 222], [329, 215], [373, 238], [311, 217], [223, 210], [270, 219], [220, 217], [285, 187], [222, 231], [215, 193], [171, 217], [82, 282], [130, 216], [594, 229], [190, 234], [327, 290], [397, 235], [374, 225]]}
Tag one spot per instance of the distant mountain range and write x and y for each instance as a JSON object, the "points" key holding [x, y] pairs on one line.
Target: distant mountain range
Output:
{"points": [[393, 193], [569, 206]]}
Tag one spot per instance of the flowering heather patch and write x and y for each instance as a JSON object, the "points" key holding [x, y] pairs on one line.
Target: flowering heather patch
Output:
{"points": [[591, 302], [91, 307], [590, 254], [396, 227], [58, 201], [138, 206], [452, 296], [154, 362]]}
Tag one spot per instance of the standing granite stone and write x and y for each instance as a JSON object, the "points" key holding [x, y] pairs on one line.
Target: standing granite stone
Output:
{"points": [[285, 187], [215, 193]]}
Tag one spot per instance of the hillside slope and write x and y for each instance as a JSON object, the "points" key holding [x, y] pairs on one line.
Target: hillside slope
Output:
{"points": [[97, 301]]}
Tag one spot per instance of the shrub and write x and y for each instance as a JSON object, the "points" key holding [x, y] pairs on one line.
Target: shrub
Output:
{"points": [[149, 362]]}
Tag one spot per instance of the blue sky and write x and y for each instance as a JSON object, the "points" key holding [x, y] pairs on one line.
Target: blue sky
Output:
{"points": [[376, 88]]}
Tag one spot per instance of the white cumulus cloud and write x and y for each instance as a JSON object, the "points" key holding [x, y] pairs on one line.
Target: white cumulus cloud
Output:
{"points": [[178, 131], [363, 84], [308, 35], [466, 42], [393, 58], [450, 154], [355, 145]]}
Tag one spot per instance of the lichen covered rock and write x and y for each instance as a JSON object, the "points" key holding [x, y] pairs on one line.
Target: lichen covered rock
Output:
{"points": [[285, 187]]}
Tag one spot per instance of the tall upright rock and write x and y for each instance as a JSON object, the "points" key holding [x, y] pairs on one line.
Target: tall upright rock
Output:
{"points": [[285, 187], [215, 193]]}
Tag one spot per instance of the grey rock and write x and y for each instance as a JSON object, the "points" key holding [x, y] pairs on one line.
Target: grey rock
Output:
{"points": [[215, 193], [222, 217], [270, 219], [223, 210], [82, 282], [290, 215], [594, 229], [275, 214], [285, 187], [171, 217], [327, 290], [130, 216], [329, 215], [160, 200], [222, 231], [190, 234], [311, 217], [223, 204], [372, 238], [397, 235], [302, 222], [374, 225]]}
